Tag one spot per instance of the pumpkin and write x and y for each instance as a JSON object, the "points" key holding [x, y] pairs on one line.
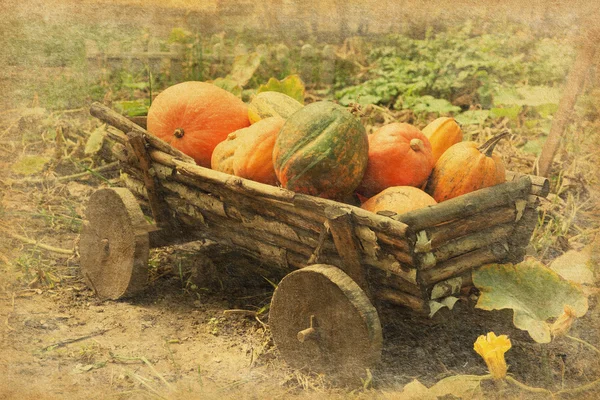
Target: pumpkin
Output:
{"points": [[399, 199], [399, 155], [253, 157], [322, 150], [272, 104], [466, 167], [442, 133], [195, 116], [222, 156]]}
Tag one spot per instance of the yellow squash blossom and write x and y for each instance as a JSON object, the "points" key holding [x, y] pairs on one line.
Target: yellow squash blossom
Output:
{"points": [[492, 349]]}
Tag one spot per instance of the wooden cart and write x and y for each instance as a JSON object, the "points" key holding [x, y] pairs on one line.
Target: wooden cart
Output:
{"points": [[344, 259]]}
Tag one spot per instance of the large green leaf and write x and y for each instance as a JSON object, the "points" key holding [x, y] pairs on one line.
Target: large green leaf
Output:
{"points": [[534, 292], [575, 266], [458, 386], [95, 140], [291, 85], [244, 67], [132, 108], [472, 117], [29, 165], [533, 96]]}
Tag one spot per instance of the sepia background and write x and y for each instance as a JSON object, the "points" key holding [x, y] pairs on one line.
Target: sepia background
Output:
{"points": [[491, 65]]}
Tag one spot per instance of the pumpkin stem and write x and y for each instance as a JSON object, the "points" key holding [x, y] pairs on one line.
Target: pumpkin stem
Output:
{"points": [[179, 133], [488, 147], [417, 145]]}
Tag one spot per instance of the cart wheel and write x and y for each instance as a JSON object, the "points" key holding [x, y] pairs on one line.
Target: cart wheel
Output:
{"points": [[321, 319], [114, 244]]}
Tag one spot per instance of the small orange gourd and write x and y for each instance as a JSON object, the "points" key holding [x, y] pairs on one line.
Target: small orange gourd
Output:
{"points": [[399, 199], [253, 158], [442, 133], [466, 167]]}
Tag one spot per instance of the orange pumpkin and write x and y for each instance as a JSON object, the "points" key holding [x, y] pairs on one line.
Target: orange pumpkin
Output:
{"points": [[253, 157], [442, 133], [399, 155], [195, 116], [466, 167], [399, 199], [222, 156]]}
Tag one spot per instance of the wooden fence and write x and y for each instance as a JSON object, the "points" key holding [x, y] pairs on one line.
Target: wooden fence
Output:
{"points": [[315, 65]]}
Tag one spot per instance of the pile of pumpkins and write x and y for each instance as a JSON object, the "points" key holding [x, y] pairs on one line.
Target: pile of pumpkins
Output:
{"points": [[322, 149]]}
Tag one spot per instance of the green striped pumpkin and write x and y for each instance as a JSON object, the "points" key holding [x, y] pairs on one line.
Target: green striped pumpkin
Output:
{"points": [[322, 150]]}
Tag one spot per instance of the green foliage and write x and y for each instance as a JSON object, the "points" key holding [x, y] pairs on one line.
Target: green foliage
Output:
{"points": [[291, 85], [486, 69], [534, 292], [132, 108], [229, 84]]}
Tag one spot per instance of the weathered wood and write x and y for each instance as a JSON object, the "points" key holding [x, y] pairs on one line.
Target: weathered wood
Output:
{"points": [[403, 299], [540, 186], [464, 206], [380, 278], [114, 244], [399, 244], [303, 203], [231, 182], [159, 208], [348, 335], [473, 241], [458, 265], [450, 287], [521, 236], [140, 121], [441, 234], [121, 122], [340, 225]]}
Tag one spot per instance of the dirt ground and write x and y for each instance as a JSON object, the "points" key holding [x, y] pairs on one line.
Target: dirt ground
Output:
{"points": [[179, 339]]}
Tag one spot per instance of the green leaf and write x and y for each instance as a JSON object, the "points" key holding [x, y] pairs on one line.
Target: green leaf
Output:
{"points": [[429, 104], [291, 85], [464, 387], [95, 141], [132, 108], [472, 117], [512, 113], [575, 266], [534, 146], [228, 84], [244, 67], [527, 96], [546, 110], [29, 165], [534, 292]]}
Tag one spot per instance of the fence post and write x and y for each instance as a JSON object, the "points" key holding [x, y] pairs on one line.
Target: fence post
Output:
{"points": [[113, 56], [307, 64], [93, 57], [282, 56], [328, 65], [177, 58], [137, 56], [153, 55]]}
